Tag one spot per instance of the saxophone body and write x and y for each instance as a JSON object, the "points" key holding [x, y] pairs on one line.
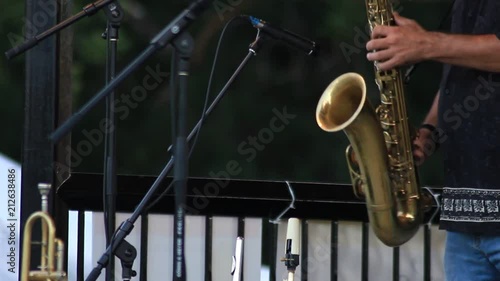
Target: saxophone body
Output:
{"points": [[380, 154]]}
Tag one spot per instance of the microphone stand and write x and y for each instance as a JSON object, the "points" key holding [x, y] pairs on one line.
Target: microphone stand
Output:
{"points": [[88, 10], [183, 49], [114, 13], [161, 40], [126, 226]]}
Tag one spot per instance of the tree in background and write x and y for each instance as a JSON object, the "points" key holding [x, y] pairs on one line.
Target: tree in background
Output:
{"points": [[278, 81]]}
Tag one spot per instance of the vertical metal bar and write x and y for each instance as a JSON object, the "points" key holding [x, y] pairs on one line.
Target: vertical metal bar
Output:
{"points": [[274, 251], [364, 253], [334, 251], [241, 227], [110, 159], [63, 104], [241, 233], [304, 251], [208, 248], [63, 161], [427, 252], [395, 264], [144, 247], [39, 117], [80, 246]]}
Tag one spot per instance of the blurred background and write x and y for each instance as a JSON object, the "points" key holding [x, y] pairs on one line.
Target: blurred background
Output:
{"points": [[278, 81], [279, 78]]}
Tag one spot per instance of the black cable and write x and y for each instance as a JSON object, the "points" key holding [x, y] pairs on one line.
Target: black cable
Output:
{"points": [[203, 117]]}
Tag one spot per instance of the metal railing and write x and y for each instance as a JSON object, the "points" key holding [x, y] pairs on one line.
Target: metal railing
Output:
{"points": [[309, 206]]}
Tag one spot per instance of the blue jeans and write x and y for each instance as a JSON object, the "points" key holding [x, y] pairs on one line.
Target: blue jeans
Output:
{"points": [[470, 257]]}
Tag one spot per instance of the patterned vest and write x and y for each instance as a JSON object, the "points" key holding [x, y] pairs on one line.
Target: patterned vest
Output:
{"points": [[469, 117]]}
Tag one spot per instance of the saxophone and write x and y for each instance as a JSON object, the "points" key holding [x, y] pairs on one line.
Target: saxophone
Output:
{"points": [[380, 154]]}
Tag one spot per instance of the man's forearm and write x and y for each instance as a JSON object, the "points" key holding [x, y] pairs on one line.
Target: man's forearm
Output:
{"points": [[425, 134], [432, 116], [475, 51]]}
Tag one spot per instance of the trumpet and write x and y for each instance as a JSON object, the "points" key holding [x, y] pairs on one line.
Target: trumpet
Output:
{"points": [[52, 249]]}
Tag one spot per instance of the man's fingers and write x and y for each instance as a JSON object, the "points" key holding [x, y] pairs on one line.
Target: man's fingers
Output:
{"points": [[377, 44], [379, 55], [386, 65], [418, 155], [381, 31]]}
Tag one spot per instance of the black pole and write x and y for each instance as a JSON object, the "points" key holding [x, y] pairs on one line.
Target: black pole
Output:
{"points": [[364, 251], [114, 14], [183, 48], [39, 118], [144, 247], [126, 227], [427, 251], [395, 263], [208, 247], [80, 252], [253, 49]]}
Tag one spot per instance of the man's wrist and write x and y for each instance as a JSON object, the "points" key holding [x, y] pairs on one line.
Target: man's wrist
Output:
{"points": [[432, 48], [428, 126], [427, 131]]}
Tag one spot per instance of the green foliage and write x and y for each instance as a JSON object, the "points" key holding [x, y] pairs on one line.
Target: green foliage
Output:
{"points": [[277, 77]]}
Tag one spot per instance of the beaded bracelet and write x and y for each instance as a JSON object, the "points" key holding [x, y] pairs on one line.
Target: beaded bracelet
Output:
{"points": [[431, 128]]}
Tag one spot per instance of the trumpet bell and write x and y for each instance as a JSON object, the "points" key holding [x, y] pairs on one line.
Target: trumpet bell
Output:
{"points": [[52, 249]]}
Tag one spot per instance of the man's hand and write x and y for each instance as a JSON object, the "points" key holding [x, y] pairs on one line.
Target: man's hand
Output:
{"points": [[423, 146], [418, 151], [398, 45]]}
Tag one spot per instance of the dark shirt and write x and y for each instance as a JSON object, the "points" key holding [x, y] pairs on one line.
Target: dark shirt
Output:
{"points": [[469, 115]]}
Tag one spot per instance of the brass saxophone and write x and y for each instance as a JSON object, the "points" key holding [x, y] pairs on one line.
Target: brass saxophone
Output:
{"points": [[380, 155]]}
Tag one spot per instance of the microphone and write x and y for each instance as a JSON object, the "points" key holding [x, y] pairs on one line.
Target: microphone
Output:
{"points": [[277, 33], [292, 248]]}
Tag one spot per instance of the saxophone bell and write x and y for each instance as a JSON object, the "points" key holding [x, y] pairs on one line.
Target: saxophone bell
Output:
{"points": [[339, 106]]}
